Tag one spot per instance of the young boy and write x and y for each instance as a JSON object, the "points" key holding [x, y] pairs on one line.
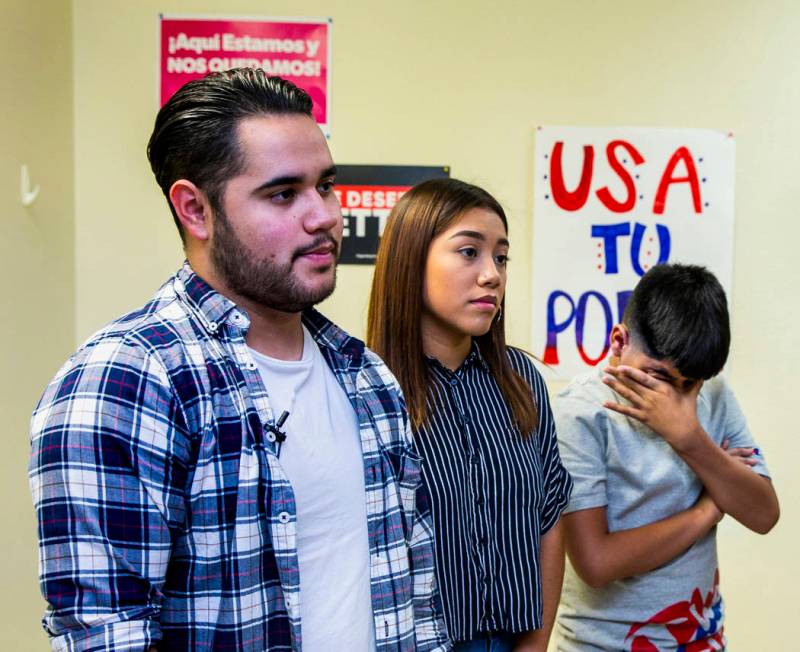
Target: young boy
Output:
{"points": [[658, 453]]}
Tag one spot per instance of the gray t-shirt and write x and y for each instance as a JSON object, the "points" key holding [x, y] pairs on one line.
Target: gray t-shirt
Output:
{"points": [[618, 463]]}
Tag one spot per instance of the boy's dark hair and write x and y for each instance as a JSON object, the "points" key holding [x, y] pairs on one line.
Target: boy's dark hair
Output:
{"points": [[679, 313], [195, 137]]}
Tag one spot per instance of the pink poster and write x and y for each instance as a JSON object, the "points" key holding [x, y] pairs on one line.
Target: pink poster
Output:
{"points": [[296, 49]]}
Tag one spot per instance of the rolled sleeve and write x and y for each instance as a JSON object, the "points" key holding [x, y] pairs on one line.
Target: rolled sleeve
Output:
{"points": [[136, 635], [735, 428], [557, 482]]}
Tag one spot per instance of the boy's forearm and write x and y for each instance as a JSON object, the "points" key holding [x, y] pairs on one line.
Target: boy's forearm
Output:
{"points": [[600, 557], [736, 489]]}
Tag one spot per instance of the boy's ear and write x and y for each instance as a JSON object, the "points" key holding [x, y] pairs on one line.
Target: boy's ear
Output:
{"points": [[619, 338], [192, 208]]}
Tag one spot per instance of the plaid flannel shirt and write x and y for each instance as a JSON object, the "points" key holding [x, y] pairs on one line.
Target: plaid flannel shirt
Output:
{"points": [[164, 514]]}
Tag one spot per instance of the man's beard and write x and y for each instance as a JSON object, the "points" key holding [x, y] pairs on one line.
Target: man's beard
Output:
{"points": [[263, 281]]}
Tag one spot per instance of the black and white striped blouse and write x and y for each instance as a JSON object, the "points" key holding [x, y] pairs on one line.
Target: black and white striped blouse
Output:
{"points": [[493, 493]]}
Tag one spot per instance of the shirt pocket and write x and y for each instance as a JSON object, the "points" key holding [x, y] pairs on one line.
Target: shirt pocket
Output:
{"points": [[404, 477]]}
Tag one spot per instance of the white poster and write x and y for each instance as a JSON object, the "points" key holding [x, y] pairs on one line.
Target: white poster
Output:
{"points": [[609, 203]]}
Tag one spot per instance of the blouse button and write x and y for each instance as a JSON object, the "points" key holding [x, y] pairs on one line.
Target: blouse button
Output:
{"points": [[284, 517]]}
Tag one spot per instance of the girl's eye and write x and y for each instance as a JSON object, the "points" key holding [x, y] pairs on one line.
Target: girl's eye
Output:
{"points": [[502, 259], [468, 252]]}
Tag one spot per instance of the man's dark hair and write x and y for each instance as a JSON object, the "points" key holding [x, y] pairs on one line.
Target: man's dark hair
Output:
{"points": [[195, 134], [679, 313]]}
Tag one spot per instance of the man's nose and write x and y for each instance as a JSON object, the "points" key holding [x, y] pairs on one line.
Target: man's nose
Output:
{"points": [[323, 213]]}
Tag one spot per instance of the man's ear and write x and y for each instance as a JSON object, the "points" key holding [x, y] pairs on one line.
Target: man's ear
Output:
{"points": [[192, 208], [619, 338]]}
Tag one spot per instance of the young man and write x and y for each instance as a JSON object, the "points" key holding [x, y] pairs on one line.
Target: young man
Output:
{"points": [[657, 456], [224, 464]]}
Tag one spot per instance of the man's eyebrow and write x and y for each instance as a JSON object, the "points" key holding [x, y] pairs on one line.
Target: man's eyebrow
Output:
{"points": [[477, 235], [292, 179], [286, 180]]}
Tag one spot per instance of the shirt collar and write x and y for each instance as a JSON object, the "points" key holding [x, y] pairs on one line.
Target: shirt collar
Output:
{"points": [[474, 358], [213, 308], [328, 334]]}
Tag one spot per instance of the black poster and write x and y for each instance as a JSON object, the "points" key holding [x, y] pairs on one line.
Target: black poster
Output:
{"points": [[367, 194]]}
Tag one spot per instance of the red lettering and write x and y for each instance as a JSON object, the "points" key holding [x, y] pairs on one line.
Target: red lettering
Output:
{"points": [[604, 194], [667, 179], [570, 201], [362, 196]]}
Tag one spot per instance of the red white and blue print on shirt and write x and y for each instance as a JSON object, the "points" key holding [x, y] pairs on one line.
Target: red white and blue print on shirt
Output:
{"points": [[695, 624]]}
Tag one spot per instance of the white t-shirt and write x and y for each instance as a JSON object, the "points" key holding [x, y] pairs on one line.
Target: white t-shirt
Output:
{"points": [[323, 460]]}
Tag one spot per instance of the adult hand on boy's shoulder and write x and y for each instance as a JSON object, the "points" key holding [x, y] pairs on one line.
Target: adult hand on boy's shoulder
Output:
{"points": [[744, 455], [665, 409]]}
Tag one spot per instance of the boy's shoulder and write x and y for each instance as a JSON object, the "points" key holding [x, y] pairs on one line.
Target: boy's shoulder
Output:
{"points": [[586, 390], [578, 409], [717, 402], [716, 390]]}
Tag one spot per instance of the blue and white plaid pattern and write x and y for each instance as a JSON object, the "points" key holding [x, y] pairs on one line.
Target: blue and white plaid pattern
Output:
{"points": [[164, 514]]}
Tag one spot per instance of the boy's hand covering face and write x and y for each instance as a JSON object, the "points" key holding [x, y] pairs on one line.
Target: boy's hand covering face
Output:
{"points": [[668, 411]]}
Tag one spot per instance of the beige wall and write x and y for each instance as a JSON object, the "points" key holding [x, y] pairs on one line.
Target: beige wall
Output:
{"points": [[465, 83], [37, 262]]}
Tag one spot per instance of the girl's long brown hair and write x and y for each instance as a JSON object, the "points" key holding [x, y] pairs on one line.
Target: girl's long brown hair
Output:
{"points": [[395, 305]]}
